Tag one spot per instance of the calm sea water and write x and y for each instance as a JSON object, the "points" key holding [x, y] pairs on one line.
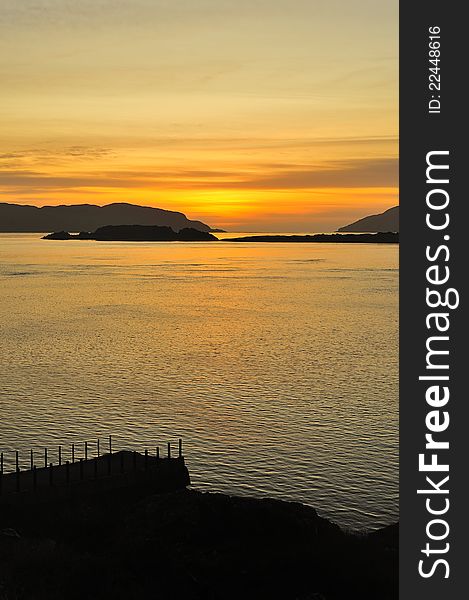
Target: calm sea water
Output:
{"points": [[276, 363]]}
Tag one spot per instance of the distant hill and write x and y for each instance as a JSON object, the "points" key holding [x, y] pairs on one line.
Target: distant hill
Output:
{"points": [[386, 221], [89, 217]]}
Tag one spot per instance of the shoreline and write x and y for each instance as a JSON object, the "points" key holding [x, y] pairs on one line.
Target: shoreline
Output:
{"points": [[189, 545]]}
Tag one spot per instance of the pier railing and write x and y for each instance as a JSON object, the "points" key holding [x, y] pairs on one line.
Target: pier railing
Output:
{"points": [[80, 462]]}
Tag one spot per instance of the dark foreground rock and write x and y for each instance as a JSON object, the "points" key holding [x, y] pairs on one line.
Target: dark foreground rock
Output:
{"points": [[136, 233], [188, 545]]}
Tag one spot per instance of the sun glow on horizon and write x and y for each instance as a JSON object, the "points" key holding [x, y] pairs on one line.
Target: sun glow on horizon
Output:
{"points": [[265, 116]]}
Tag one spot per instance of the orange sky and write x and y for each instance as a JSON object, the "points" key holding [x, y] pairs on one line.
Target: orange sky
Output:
{"points": [[278, 115]]}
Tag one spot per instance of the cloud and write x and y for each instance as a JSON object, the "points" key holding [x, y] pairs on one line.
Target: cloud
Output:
{"points": [[86, 152], [380, 172], [18, 180], [40, 153], [11, 155]]}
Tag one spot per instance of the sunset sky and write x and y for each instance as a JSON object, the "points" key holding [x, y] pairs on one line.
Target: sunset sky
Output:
{"points": [[251, 115]]}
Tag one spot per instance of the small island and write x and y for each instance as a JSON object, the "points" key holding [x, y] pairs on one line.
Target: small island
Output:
{"points": [[347, 238], [136, 233]]}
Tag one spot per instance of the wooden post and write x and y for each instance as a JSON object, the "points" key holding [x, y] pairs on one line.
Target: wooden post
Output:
{"points": [[86, 450], [73, 453], [110, 444], [180, 448], [51, 474], [1, 463], [81, 468], [97, 445], [31, 459], [45, 458], [67, 472], [60, 456], [34, 477], [157, 452], [17, 460], [169, 449], [146, 459], [18, 479]]}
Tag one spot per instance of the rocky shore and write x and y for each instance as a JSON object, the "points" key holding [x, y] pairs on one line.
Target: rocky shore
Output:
{"points": [[133, 543]]}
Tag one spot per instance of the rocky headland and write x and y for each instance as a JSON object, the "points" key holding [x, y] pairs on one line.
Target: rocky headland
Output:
{"points": [[386, 221], [89, 217]]}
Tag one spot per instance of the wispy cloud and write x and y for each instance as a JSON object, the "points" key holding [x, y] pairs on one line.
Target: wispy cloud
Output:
{"points": [[47, 156], [380, 172], [361, 173]]}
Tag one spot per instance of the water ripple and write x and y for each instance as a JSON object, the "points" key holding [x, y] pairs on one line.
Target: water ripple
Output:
{"points": [[277, 366]]}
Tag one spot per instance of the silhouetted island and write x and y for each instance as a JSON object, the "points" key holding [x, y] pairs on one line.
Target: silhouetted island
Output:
{"points": [[136, 233], [365, 238], [386, 221], [187, 545]]}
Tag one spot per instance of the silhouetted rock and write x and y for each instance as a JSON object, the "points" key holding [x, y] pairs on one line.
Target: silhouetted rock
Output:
{"points": [[9, 534], [387, 536], [386, 221], [59, 235], [136, 233], [188, 545], [192, 235], [340, 238], [88, 217]]}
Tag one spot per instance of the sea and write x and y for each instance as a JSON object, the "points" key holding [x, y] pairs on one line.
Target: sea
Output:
{"points": [[276, 363]]}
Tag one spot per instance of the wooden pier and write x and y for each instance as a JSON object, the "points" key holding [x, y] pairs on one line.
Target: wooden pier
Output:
{"points": [[90, 473]]}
